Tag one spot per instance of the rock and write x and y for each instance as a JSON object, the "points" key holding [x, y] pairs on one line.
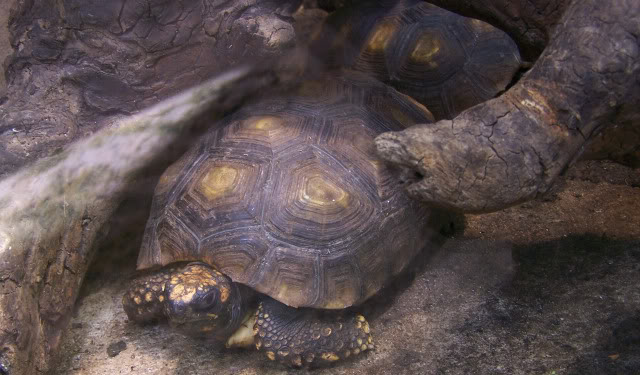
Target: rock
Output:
{"points": [[115, 348]]}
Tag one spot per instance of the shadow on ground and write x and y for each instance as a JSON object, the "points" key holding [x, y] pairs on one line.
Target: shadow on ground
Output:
{"points": [[559, 312]]}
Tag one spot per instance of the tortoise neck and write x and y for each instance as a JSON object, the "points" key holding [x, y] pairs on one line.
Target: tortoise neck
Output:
{"points": [[239, 331], [242, 299]]}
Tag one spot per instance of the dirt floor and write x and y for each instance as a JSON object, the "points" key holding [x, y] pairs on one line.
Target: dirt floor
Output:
{"points": [[547, 287]]}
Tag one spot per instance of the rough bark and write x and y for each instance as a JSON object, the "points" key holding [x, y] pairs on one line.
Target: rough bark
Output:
{"points": [[511, 148], [531, 24], [53, 211], [78, 65]]}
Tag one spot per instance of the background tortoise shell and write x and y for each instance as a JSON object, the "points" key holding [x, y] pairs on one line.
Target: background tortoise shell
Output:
{"points": [[288, 196], [445, 61]]}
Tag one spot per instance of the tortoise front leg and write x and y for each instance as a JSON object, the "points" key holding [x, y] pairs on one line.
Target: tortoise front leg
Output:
{"points": [[309, 337], [144, 300]]}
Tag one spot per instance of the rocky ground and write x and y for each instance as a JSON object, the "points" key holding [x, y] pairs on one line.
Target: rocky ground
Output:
{"points": [[547, 287]]}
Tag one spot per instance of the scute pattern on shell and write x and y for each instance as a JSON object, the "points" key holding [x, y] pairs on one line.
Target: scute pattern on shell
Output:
{"points": [[445, 61], [288, 196]]}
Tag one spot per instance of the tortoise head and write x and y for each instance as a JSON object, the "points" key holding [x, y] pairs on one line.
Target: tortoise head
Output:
{"points": [[203, 302]]}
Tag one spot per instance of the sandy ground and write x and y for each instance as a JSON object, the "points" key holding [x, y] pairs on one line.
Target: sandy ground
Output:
{"points": [[547, 287]]}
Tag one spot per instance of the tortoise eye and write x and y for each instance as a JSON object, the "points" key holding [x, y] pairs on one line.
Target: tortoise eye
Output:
{"points": [[207, 301]]}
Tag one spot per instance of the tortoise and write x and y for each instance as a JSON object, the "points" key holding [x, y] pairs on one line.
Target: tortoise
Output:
{"points": [[444, 60], [281, 218]]}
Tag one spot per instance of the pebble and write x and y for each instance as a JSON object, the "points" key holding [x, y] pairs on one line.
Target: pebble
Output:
{"points": [[115, 348]]}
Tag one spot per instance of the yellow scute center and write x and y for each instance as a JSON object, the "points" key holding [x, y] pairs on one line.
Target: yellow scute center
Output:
{"points": [[381, 36], [426, 48], [321, 192], [218, 181], [265, 123]]}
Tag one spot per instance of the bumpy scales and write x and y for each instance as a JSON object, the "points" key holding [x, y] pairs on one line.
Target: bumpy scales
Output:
{"points": [[144, 300], [308, 336]]}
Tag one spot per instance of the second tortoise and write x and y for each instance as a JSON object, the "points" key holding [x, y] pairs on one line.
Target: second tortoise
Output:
{"points": [[443, 60]]}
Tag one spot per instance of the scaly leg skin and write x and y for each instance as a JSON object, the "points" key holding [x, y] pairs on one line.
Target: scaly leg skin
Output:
{"points": [[308, 337], [143, 302]]}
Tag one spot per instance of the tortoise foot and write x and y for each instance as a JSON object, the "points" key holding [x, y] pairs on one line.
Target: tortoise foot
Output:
{"points": [[308, 337]]}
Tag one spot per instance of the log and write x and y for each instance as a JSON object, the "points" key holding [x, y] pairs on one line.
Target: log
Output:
{"points": [[53, 210], [80, 65], [511, 148]]}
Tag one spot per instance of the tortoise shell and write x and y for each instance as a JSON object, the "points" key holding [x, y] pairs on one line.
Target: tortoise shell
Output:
{"points": [[445, 61], [288, 196]]}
